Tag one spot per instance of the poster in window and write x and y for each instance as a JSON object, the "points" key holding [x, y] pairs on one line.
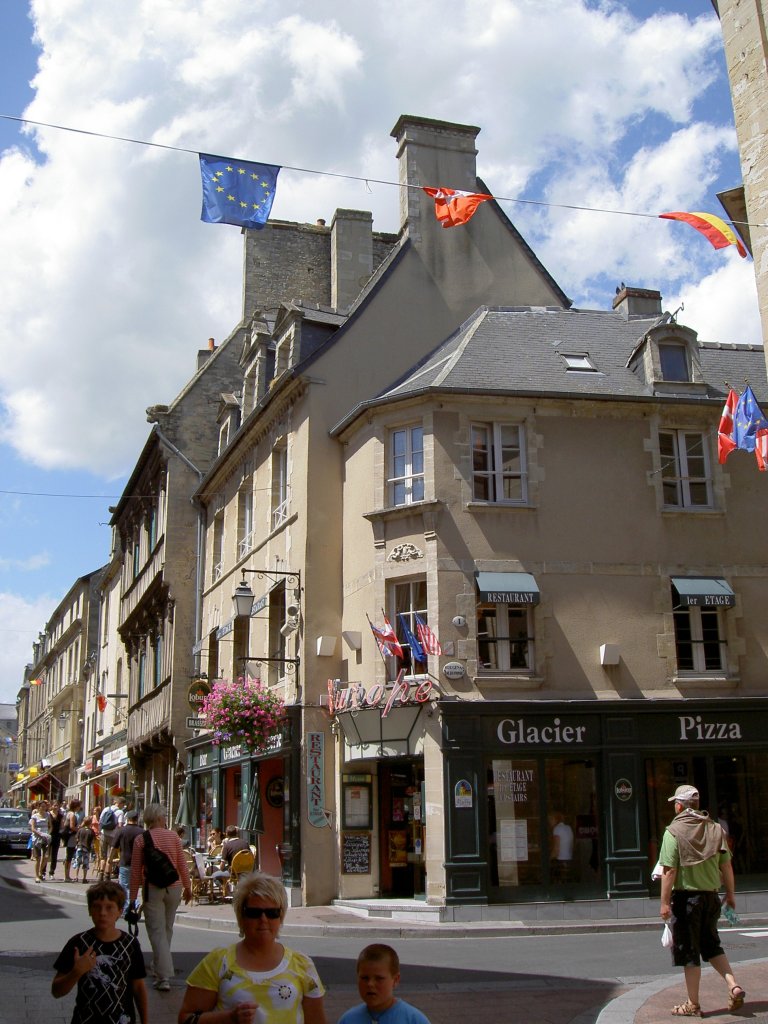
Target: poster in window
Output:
{"points": [[397, 843], [513, 839], [357, 806]]}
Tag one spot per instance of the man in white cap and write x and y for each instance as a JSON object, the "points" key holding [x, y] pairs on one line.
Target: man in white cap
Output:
{"points": [[696, 859]]}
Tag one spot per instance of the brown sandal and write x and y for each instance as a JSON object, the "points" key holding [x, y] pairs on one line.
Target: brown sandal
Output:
{"points": [[737, 998], [686, 1009]]}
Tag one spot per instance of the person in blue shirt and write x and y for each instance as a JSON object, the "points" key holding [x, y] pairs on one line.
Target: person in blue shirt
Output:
{"points": [[378, 975]]}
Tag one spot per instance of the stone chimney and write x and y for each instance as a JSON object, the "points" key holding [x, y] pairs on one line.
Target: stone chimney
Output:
{"points": [[205, 354], [637, 303], [432, 153], [351, 255]]}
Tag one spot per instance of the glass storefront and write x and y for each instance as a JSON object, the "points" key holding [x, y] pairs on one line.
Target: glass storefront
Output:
{"points": [[542, 826], [204, 817]]}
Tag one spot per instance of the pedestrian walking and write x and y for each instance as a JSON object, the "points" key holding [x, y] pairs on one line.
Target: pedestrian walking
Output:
{"points": [[55, 823], [110, 819], [258, 978], [122, 841], [68, 835], [105, 963], [164, 885], [41, 840], [696, 858], [378, 975], [83, 849]]}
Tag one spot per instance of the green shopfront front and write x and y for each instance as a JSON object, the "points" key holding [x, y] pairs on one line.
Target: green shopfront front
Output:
{"points": [[568, 801]]}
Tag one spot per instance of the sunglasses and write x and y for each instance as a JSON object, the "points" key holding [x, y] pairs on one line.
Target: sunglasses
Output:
{"points": [[271, 913]]}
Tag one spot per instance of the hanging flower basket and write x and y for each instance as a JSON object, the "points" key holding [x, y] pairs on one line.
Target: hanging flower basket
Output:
{"points": [[117, 791], [243, 711]]}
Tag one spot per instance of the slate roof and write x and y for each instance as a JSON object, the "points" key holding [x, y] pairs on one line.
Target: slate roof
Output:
{"points": [[518, 350]]}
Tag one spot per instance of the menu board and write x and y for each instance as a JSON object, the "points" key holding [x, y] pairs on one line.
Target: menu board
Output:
{"points": [[355, 853]]}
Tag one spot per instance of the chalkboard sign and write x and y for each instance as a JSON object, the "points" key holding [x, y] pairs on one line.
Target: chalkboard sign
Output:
{"points": [[355, 853]]}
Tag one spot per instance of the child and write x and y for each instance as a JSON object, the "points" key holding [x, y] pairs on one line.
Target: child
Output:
{"points": [[105, 963], [83, 847], [378, 974]]}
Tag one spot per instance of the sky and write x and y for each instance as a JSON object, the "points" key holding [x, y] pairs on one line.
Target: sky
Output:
{"points": [[110, 282]]}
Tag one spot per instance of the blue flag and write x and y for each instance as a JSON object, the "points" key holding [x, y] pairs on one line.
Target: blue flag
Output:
{"points": [[417, 651], [748, 419], [237, 192]]}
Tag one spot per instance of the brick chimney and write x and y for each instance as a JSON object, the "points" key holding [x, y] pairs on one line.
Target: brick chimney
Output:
{"points": [[204, 354], [637, 303], [432, 153]]}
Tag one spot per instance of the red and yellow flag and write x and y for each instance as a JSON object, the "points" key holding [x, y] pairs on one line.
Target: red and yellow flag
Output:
{"points": [[712, 227]]}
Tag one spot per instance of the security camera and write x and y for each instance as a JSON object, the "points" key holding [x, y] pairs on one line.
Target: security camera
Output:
{"points": [[290, 627], [292, 611]]}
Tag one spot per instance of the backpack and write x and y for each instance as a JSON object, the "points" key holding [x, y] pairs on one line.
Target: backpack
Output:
{"points": [[157, 865], [108, 819]]}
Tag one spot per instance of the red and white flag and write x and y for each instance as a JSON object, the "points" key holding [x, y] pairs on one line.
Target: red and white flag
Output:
{"points": [[386, 639], [725, 441], [427, 638], [761, 450], [454, 207]]}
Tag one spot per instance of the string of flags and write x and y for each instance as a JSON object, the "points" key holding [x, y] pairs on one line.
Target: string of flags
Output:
{"points": [[227, 200], [743, 425]]}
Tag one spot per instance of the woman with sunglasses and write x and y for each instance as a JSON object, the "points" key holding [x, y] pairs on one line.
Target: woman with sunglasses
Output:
{"points": [[257, 979]]}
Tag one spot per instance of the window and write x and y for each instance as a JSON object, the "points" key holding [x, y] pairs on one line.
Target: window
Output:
{"points": [[674, 362], [142, 672], [223, 437], [504, 638], [136, 557], [406, 482], [245, 519], [217, 555], [578, 361], [698, 640], [409, 600], [498, 463], [279, 484], [685, 472], [152, 528], [158, 668]]}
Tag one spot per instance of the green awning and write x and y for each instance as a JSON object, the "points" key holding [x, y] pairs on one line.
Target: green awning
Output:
{"points": [[507, 588], [703, 591]]}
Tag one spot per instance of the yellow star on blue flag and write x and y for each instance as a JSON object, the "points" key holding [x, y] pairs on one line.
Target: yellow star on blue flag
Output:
{"points": [[236, 191]]}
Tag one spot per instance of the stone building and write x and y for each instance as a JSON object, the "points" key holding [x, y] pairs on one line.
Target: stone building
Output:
{"points": [[745, 42], [52, 699], [158, 531]]}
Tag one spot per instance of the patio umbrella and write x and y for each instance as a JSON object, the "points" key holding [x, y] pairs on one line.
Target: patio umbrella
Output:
{"points": [[186, 812], [253, 819]]}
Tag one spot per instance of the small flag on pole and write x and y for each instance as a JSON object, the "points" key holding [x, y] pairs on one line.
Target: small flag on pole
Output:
{"points": [[417, 651], [237, 192], [725, 441], [429, 641], [386, 639]]}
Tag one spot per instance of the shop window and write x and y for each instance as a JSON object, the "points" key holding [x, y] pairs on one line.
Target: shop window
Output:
{"points": [[498, 463], [409, 599], [406, 465], [505, 640], [699, 645], [685, 470]]}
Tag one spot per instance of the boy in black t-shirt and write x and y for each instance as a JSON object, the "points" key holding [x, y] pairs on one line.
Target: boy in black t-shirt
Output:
{"points": [[105, 963]]}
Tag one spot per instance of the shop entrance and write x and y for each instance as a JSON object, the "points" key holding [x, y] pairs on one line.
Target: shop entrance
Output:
{"points": [[402, 831], [733, 789]]}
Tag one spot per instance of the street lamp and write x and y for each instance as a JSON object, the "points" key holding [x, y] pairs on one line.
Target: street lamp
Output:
{"points": [[243, 597]]}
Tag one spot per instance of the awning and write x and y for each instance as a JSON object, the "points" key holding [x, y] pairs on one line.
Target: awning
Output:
{"points": [[507, 588], [368, 734], [703, 591]]}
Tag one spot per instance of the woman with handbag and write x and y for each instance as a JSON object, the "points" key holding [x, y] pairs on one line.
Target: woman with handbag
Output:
{"points": [[55, 825], [41, 839]]}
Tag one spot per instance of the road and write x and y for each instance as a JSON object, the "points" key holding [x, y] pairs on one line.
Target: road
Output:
{"points": [[563, 978]]}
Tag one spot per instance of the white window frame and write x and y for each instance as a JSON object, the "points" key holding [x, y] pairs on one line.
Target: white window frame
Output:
{"points": [[279, 484], [245, 520], [679, 461], [504, 645], [403, 598], [698, 620], [406, 467], [495, 475], [578, 362], [217, 549]]}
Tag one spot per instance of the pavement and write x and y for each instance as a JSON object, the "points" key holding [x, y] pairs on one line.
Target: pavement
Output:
{"points": [[535, 1000]]}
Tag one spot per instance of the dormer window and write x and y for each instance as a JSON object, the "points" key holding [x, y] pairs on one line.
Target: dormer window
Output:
{"points": [[674, 361]]}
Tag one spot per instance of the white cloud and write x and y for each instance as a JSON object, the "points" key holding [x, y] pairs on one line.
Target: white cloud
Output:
{"points": [[114, 283], [22, 620], [30, 564]]}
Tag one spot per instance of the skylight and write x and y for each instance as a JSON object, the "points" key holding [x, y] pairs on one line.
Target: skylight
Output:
{"points": [[578, 361]]}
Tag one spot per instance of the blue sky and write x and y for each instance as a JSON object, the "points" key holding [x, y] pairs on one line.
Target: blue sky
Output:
{"points": [[110, 283]]}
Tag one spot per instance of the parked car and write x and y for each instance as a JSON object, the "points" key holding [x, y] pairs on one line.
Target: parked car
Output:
{"points": [[14, 831]]}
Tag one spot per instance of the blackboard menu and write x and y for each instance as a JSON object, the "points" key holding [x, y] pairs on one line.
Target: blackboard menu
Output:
{"points": [[355, 853]]}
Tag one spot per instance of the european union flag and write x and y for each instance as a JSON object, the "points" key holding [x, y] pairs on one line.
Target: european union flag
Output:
{"points": [[237, 192], [748, 419]]}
